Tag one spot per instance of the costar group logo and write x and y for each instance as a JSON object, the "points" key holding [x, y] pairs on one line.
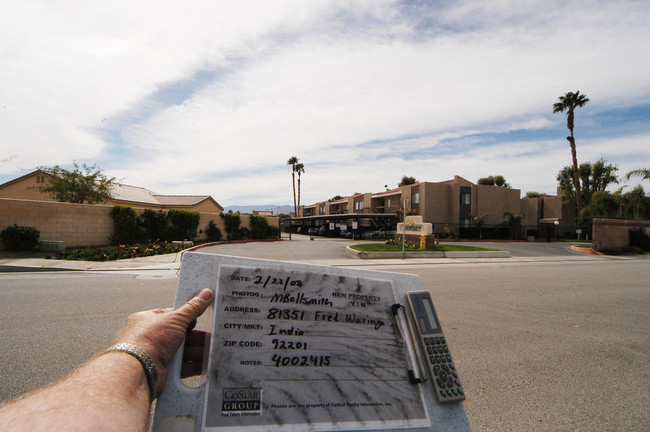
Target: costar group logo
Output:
{"points": [[241, 399]]}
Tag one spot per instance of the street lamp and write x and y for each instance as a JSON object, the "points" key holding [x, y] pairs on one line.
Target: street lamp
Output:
{"points": [[556, 223]]}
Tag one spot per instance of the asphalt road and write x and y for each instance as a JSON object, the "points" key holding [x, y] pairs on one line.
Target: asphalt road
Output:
{"points": [[542, 342]]}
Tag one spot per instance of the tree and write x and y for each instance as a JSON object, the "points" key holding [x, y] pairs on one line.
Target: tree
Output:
{"points": [[516, 224], [87, 185], [494, 181], [569, 102], [479, 220], [406, 180], [300, 168], [533, 194], [293, 161], [594, 177], [635, 204], [644, 173]]}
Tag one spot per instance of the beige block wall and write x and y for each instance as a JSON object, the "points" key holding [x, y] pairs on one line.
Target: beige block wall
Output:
{"points": [[83, 224], [615, 233], [76, 224]]}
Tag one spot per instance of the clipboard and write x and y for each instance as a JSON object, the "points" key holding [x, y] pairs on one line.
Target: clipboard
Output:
{"points": [[300, 347]]}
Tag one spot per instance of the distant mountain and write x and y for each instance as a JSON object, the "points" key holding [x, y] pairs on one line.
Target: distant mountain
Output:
{"points": [[248, 209]]}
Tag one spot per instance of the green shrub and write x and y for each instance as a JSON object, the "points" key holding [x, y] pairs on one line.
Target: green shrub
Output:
{"points": [[638, 238], [20, 237], [273, 232], [154, 224], [232, 222], [245, 233], [126, 225], [184, 224], [213, 232], [259, 227]]}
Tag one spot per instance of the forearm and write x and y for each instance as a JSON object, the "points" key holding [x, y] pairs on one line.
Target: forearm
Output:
{"points": [[107, 393]]}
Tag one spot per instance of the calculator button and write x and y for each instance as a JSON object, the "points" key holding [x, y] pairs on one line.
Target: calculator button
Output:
{"points": [[432, 360], [462, 393], [440, 383], [446, 368], [426, 341], [443, 376], [445, 349], [442, 340], [436, 340], [448, 358], [429, 350], [436, 369]]}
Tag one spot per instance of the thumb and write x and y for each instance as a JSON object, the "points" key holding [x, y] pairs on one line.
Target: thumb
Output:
{"points": [[196, 305]]}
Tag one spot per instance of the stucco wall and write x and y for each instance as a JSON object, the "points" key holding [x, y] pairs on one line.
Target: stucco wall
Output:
{"points": [[495, 201], [83, 224], [615, 233]]}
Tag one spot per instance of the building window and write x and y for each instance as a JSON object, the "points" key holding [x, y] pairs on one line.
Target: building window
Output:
{"points": [[466, 198], [40, 179], [466, 223], [358, 205], [322, 210], [415, 198]]}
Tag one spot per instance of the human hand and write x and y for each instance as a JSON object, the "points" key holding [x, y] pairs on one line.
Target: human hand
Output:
{"points": [[160, 334]]}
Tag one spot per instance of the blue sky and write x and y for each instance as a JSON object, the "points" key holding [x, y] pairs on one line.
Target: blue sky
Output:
{"points": [[213, 97]]}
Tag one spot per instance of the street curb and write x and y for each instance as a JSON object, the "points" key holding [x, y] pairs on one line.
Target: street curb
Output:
{"points": [[589, 251], [460, 254]]}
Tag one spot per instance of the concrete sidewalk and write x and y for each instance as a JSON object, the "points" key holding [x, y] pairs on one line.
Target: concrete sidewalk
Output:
{"points": [[156, 262], [332, 254]]}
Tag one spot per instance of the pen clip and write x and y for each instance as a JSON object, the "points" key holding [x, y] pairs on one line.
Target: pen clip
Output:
{"points": [[413, 360]]}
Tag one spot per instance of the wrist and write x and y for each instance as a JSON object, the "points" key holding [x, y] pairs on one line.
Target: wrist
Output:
{"points": [[148, 366]]}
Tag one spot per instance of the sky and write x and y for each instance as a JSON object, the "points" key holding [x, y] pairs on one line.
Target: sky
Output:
{"points": [[213, 97]]}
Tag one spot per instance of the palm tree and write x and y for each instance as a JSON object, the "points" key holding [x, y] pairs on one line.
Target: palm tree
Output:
{"points": [[569, 102], [293, 161], [299, 168], [644, 173], [515, 222], [479, 220]]}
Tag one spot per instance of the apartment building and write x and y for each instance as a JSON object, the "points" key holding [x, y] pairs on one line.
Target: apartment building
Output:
{"points": [[450, 202]]}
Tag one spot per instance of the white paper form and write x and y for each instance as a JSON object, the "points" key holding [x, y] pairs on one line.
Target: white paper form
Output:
{"points": [[299, 350]]}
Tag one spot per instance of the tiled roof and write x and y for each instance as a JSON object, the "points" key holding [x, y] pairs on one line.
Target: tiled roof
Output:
{"points": [[181, 199], [124, 192], [138, 194]]}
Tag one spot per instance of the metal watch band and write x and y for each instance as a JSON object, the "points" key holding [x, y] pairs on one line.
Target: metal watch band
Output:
{"points": [[149, 367]]}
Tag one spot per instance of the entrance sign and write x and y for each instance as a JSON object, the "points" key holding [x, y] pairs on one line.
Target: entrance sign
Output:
{"points": [[297, 347], [414, 225]]}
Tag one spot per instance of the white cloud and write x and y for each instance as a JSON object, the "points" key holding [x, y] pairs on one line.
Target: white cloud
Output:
{"points": [[350, 88]]}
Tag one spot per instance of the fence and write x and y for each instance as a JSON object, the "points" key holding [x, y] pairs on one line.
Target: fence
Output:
{"points": [[83, 224]]}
